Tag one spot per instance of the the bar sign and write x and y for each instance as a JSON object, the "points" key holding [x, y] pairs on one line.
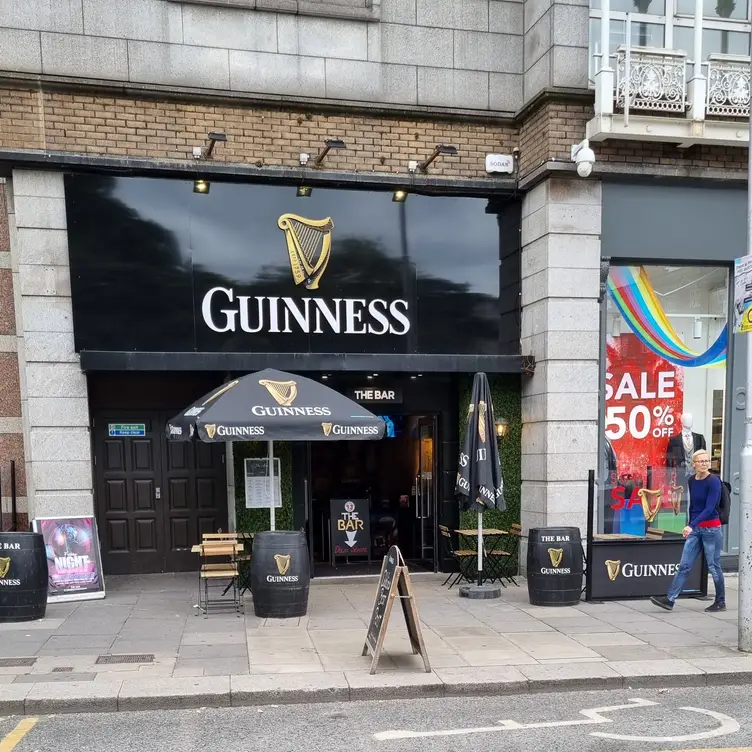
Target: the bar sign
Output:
{"points": [[126, 429], [375, 394]]}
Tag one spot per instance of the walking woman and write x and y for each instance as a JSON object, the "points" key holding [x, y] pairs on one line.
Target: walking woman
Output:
{"points": [[703, 532]]}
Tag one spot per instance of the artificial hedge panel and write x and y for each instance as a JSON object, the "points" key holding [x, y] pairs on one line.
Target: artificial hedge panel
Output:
{"points": [[506, 397], [255, 520]]}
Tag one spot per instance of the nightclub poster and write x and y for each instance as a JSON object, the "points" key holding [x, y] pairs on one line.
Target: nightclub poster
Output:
{"points": [[73, 557], [644, 398]]}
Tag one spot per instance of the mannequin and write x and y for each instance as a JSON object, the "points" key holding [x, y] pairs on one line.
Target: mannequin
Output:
{"points": [[683, 445]]}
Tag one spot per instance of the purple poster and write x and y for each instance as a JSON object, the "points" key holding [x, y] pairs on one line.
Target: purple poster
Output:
{"points": [[73, 557]]}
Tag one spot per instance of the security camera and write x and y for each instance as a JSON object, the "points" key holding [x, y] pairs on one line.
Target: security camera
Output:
{"points": [[584, 157], [304, 158]]}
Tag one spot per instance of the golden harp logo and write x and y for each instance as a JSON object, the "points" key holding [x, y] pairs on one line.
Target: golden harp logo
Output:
{"points": [[309, 244], [482, 421], [613, 567], [4, 567], [650, 510], [282, 562], [284, 392], [555, 554], [327, 428], [211, 429]]}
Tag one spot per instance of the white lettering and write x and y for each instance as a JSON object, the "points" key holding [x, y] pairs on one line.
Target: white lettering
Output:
{"points": [[71, 561], [626, 386], [353, 316], [401, 316], [244, 314], [229, 314], [285, 315], [666, 385], [282, 578], [302, 317], [379, 316], [261, 411], [10, 583], [240, 430], [562, 570], [649, 570], [338, 430], [11, 546], [332, 318], [464, 459]]}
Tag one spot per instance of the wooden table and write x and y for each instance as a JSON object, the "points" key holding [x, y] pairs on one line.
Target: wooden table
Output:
{"points": [[495, 535]]}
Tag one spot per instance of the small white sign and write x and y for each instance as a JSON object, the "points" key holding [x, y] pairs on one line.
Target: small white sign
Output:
{"points": [[257, 494], [500, 163]]}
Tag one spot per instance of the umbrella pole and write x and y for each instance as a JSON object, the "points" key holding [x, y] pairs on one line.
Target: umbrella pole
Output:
{"points": [[272, 520], [480, 549]]}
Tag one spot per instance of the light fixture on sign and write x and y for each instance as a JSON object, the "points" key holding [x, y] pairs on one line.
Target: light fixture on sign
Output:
{"points": [[201, 186], [304, 191], [206, 152], [444, 149], [399, 196], [330, 143]]}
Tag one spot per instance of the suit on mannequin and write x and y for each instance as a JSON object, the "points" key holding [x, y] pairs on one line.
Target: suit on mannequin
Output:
{"points": [[683, 445]]}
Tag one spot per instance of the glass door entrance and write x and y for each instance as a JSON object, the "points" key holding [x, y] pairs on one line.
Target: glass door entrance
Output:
{"points": [[383, 492]]}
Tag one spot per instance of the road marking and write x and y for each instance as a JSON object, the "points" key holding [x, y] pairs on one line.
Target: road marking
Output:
{"points": [[592, 716], [18, 733], [728, 726]]}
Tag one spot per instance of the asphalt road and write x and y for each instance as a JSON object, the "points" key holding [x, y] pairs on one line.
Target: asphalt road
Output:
{"points": [[386, 726]]}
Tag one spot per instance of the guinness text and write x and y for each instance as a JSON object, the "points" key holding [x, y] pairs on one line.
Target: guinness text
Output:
{"points": [[282, 315]]}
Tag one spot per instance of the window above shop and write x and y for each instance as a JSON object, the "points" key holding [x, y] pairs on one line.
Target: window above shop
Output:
{"points": [[366, 10], [650, 71]]}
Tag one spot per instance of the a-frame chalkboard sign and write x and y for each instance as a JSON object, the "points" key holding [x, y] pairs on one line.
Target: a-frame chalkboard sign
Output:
{"points": [[394, 583]]}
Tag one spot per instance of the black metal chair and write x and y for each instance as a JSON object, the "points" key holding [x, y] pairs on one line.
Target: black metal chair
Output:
{"points": [[463, 557]]}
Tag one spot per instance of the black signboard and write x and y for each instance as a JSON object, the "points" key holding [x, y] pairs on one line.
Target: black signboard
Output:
{"points": [[252, 268], [375, 394], [394, 583], [351, 528], [622, 569]]}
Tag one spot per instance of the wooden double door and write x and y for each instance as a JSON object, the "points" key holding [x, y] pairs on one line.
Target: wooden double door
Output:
{"points": [[154, 497]]}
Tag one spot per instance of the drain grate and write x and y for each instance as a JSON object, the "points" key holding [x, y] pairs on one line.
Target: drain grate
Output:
{"points": [[62, 669], [17, 662], [106, 660]]}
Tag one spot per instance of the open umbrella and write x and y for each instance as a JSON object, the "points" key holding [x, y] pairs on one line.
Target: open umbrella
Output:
{"points": [[274, 406], [479, 482]]}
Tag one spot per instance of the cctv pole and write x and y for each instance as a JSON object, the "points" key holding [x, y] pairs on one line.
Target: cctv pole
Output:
{"points": [[745, 505]]}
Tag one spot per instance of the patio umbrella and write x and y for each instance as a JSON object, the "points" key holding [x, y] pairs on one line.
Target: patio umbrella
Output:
{"points": [[274, 406], [479, 483]]}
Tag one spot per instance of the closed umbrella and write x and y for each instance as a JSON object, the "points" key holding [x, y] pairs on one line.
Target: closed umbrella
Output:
{"points": [[480, 485], [274, 406]]}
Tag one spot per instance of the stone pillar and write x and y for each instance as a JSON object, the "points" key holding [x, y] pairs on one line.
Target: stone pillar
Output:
{"points": [[11, 430], [54, 400], [561, 224]]}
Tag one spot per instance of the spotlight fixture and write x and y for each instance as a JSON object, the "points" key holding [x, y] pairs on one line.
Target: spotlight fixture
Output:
{"points": [[399, 197], [449, 151], [205, 152], [201, 186], [303, 157], [304, 191], [502, 428], [330, 143]]}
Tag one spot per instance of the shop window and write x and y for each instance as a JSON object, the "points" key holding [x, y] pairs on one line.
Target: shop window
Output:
{"points": [[665, 351]]}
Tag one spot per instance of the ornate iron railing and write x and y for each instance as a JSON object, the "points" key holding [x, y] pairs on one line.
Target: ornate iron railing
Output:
{"points": [[657, 79], [728, 86]]}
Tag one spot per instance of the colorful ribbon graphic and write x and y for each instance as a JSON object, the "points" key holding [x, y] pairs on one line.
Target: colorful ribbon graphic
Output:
{"points": [[636, 301]]}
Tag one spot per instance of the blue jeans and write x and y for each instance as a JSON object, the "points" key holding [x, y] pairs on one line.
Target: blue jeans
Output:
{"points": [[711, 540]]}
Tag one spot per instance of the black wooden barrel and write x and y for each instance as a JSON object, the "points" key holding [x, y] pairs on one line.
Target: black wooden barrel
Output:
{"points": [[280, 574], [23, 577], [554, 566]]}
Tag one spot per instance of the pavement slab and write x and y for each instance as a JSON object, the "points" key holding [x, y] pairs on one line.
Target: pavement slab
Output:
{"points": [[271, 689], [74, 697], [172, 693]]}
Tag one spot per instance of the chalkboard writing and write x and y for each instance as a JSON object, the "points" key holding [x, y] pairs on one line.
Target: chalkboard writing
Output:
{"points": [[394, 583], [351, 529]]}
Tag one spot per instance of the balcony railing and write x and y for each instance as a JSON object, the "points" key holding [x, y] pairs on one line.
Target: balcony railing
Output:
{"points": [[657, 79], [728, 86]]}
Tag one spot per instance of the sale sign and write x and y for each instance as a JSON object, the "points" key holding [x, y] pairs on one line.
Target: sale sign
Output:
{"points": [[644, 399]]}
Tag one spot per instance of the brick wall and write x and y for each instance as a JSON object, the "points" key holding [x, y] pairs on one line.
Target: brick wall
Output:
{"points": [[556, 126], [265, 137], [154, 129], [11, 436]]}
